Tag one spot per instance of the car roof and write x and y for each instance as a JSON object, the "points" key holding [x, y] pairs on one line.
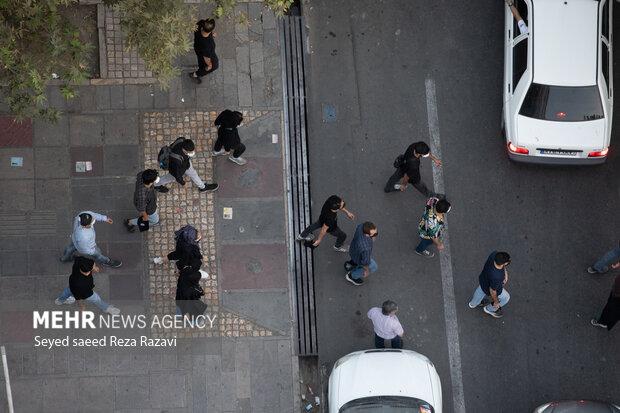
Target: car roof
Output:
{"points": [[565, 42]]}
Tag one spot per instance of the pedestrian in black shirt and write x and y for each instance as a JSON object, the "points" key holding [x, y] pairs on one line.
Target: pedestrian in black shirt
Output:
{"points": [[81, 285], [408, 169], [611, 313], [228, 137], [204, 46], [328, 223], [180, 166], [189, 292], [145, 200], [187, 250]]}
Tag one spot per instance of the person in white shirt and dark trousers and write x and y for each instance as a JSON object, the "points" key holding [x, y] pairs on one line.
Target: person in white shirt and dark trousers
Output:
{"points": [[386, 325]]}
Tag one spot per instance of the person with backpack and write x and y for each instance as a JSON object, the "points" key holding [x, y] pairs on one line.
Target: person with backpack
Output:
{"points": [[176, 158], [145, 201], [228, 137], [431, 225], [408, 169], [204, 46]]}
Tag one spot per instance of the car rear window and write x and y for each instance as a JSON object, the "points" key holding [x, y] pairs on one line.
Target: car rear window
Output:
{"points": [[562, 103]]}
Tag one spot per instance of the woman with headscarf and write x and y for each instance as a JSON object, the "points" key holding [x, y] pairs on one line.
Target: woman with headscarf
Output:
{"points": [[187, 250], [189, 293]]}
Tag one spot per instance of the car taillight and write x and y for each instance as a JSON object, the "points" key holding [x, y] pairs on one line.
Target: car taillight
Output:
{"points": [[517, 149], [598, 154]]}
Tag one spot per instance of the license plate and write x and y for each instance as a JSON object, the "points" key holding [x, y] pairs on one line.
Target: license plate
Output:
{"points": [[558, 152]]}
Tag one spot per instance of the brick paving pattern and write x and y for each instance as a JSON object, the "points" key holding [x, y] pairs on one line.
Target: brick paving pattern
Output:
{"points": [[122, 62], [185, 205]]}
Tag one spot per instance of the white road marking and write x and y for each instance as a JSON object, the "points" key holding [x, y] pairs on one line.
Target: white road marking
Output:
{"points": [[445, 260], [7, 380]]}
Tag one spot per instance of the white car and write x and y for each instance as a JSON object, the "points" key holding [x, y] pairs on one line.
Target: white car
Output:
{"points": [[558, 81], [384, 380]]}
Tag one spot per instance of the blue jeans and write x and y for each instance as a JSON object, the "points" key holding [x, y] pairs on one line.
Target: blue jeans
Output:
{"points": [[97, 255], [95, 299], [480, 295], [358, 271], [153, 219], [611, 257], [423, 245]]}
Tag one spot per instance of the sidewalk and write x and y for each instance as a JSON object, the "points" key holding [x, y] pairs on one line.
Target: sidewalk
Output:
{"points": [[246, 362]]}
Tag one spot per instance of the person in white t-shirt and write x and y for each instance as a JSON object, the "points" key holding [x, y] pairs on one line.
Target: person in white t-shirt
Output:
{"points": [[386, 325], [522, 26]]}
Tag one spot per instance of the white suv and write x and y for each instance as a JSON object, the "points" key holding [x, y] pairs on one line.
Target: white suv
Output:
{"points": [[385, 380], [558, 82]]}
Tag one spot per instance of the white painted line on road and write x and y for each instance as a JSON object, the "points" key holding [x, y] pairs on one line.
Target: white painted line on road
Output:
{"points": [[445, 260], [7, 380]]}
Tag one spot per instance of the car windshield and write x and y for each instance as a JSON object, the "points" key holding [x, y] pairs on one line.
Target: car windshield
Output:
{"points": [[387, 404], [562, 103]]}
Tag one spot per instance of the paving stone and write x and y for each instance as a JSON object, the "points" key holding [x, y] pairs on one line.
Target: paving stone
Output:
{"points": [[55, 97], [87, 98], [45, 362], [97, 393], [29, 361], [214, 394], [168, 390], [229, 391], [255, 28], [52, 194], [13, 243], [102, 97], [117, 97], [242, 369], [249, 223], [16, 172], [160, 98], [244, 405], [244, 89], [228, 354], [22, 195], [93, 154], [269, 19], [131, 392], [51, 163], [229, 68], [61, 394], [267, 307], [122, 129], [84, 198], [146, 96], [271, 43], [126, 286], [14, 363], [132, 96], [13, 263], [256, 59], [15, 133], [231, 96], [121, 160], [260, 177], [44, 262], [51, 133], [250, 266], [130, 253], [257, 136], [91, 362], [61, 360], [86, 130], [259, 92], [49, 287]]}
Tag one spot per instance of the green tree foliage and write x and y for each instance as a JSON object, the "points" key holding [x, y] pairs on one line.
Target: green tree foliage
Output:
{"points": [[158, 30], [37, 44]]}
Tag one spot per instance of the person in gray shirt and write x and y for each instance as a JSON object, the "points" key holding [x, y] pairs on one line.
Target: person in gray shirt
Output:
{"points": [[83, 239]]}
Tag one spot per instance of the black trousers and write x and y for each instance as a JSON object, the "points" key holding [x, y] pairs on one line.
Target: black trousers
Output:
{"points": [[237, 149], [611, 312], [396, 342], [202, 65], [336, 232], [397, 176]]}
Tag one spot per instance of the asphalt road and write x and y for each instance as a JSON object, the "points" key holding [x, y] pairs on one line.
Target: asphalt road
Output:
{"points": [[370, 59]]}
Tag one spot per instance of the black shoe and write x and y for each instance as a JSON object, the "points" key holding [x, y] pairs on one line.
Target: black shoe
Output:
{"points": [[352, 280], [114, 263], [209, 188], [130, 228], [497, 313], [195, 78], [163, 189]]}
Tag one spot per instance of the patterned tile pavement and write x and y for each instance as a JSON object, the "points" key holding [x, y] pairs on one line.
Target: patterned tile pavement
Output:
{"points": [[122, 62], [185, 205]]}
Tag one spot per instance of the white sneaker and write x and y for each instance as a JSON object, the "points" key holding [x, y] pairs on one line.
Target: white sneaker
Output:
{"points": [[397, 186], [218, 153], [204, 275], [238, 161], [310, 237], [158, 260], [341, 249], [112, 310], [69, 300]]}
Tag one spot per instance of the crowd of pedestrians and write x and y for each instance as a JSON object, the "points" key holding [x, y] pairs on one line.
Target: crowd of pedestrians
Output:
{"points": [[490, 293]]}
